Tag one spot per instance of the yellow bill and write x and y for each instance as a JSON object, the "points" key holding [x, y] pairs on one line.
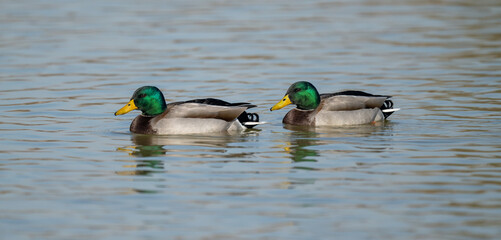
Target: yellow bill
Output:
{"points": [[284, 102], [127, 108]]}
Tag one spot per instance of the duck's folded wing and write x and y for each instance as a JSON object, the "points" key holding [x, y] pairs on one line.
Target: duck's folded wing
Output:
{"points": [[219, 102], [197, 110], [351, 102]]}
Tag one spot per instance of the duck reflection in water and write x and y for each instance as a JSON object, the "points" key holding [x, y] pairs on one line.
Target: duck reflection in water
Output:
{"points": [[199, 149], [155, 145], [302, 139], [143, 147]]}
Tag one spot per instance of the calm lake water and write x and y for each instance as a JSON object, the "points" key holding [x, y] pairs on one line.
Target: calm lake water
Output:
{"points": [[69, 169]]}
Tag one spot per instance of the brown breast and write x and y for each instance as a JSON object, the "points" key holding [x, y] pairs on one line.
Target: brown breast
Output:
{"points": [[300, 117], [141, 124]]}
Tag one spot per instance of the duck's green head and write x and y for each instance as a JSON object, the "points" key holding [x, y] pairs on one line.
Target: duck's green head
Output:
{"points": [[148, 99], [303, 94]]}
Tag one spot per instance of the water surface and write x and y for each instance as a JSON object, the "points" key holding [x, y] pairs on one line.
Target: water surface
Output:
{"points": [[69, 169]]}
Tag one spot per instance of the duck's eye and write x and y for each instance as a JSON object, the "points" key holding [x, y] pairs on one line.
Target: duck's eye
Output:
{"points": [[142, 95], [297, 89]]}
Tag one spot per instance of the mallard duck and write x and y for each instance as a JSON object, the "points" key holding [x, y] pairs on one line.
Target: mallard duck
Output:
{"points": [[207, 115], [333, 109]]}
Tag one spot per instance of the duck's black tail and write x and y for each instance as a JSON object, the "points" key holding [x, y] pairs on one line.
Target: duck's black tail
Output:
{"points": [[249, 120], [387, 108]]}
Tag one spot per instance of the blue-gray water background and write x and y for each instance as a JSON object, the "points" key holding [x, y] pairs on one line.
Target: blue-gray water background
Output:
{"points": [[69, 169]]}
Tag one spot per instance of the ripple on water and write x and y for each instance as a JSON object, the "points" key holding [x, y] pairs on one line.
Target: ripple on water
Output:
{"points": [[429, 172]]}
